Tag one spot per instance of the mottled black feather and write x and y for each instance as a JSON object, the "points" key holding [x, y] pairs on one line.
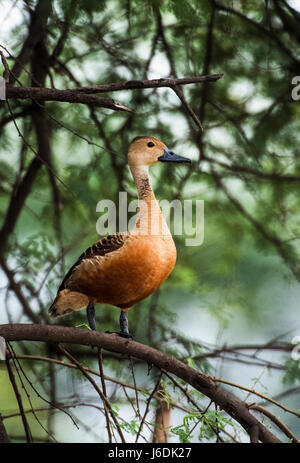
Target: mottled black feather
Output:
{"points": [[108, 244]]}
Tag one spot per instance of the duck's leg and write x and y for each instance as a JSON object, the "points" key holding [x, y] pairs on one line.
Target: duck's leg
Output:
{"points": [[124, 325], [90, 313]]}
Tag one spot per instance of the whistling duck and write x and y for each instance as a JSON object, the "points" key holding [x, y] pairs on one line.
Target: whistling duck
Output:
{"points": [[124, 268]]}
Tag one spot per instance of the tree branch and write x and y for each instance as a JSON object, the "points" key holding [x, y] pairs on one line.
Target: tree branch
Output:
{"points": [[203, 383], [68, 96], [16, 288], [84, 95], [4, 439], [153, 83], [105, 401], [93, 372], [19, 400], [38, 22], [275, 420]]}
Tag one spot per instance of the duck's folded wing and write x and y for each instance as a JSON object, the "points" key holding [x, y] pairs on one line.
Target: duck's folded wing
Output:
{"points": [[107, 245]]}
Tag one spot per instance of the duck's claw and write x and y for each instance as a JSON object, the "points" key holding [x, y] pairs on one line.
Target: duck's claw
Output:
{"points": [[120, 333]]}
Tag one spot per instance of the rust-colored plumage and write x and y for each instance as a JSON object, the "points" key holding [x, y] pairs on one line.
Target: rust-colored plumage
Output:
{"points": [[124, 268]]}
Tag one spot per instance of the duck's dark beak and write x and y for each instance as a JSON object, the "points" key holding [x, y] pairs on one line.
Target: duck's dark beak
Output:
{"points": [[169, 156]]}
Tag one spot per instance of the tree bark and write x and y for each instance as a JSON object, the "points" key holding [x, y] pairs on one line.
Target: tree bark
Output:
{"points": [[37, 29], [205, 384], [4, 439]]}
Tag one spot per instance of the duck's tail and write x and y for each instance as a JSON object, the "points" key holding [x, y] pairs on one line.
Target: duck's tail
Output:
{"points": [[66, 301]]}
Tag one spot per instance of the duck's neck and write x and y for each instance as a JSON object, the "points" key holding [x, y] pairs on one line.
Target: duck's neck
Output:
{"points": [[141, 178], [150, 220]]}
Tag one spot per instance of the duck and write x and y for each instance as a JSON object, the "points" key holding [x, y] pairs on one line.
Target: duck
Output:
{"points": [[124, 268]]}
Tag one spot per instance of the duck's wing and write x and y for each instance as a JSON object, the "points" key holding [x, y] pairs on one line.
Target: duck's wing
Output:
{"points": [[107, 245]]}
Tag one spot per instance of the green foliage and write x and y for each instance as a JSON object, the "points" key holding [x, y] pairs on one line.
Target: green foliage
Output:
{"points": [[292, 373], [83, 325], [132, 427], [186, 13], [165, 396], [208, 422]]}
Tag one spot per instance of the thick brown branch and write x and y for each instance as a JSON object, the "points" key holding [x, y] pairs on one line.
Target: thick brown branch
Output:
{"points": [[203, 383], [36, 31], [68, 96], [4, 439], [39, 65], [84, 95], [162, 419]]}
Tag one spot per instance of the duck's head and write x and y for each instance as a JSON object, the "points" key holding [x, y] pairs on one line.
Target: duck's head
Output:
{"points": [[145, 151]]}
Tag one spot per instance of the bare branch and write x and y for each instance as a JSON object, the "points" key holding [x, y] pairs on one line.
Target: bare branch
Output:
{"points": [[101, 372], [148, 406], [6, 68], [252, 391], [92, 381], [153, 83], [14, 286], [19, 400], [68, 96], [275, 420], [39, 19], [4, 439], [273, 176], [93, 372]]}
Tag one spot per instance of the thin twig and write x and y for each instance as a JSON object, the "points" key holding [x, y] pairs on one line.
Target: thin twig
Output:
{"points": [[189, 398], [15, 361], [43, 398], [4, 439], [19, 400], [135, 388], [252, 391], [187, 107], [100, 363], [92, 381], [153, 83], [148, 405], [6, 68], [93, 372], [275, 420], [37, 154]]}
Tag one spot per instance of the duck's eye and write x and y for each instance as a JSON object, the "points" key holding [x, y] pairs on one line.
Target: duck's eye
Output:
{"points": [[150, 144]]}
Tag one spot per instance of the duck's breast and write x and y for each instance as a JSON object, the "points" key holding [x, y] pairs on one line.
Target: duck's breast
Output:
{"points": [[128, 274]]}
